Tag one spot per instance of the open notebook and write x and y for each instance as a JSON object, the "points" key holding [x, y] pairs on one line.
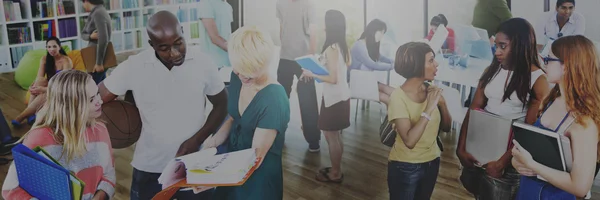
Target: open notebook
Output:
{"points": [[205, 168]]}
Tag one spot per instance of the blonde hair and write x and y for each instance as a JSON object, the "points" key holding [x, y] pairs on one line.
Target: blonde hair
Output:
{"points": [[66, 112], [250, 51]]}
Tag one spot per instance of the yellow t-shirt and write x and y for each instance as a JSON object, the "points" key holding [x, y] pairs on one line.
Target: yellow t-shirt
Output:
{"points": [[426, 149]]}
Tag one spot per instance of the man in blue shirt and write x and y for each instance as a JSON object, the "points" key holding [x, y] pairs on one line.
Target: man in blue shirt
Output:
{"points": [[216, 17]]}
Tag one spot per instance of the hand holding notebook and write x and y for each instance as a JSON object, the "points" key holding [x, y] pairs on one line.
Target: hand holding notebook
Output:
{"points": [[313, 64]]}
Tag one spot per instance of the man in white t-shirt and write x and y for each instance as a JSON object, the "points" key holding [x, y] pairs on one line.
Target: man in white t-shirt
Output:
{"points": [[170, 84], [562, 22]]}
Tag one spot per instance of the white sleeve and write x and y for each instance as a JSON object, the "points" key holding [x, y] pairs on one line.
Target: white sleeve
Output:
{"points": [[214, 83], [120, 78], [580, 26]]}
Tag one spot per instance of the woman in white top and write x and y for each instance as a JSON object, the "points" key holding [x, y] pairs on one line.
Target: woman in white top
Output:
{"points": [[335, 106], [514, 83]]}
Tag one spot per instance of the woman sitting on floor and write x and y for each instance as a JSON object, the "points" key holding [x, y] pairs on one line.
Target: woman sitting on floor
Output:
{"points": [[52, 63]]}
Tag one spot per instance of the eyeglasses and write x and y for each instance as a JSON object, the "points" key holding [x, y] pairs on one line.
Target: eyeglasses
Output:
{"points": [[548, 59]]}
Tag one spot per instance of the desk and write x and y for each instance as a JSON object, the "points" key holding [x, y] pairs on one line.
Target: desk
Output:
{"points": [[468, 76]]}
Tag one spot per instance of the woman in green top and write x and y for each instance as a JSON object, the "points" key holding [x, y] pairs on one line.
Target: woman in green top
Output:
{"points": [[259, 112]]}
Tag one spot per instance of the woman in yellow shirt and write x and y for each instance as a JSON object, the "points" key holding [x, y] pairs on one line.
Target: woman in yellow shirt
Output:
{"points": [[416, 110]]}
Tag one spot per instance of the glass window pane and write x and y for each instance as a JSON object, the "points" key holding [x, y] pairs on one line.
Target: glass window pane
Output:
{"points": [[456, 11], [405, 21], [352, 9]]}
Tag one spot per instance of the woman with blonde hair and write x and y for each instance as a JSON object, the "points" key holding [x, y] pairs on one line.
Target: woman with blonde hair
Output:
{"points": [[68, 130], [259, 112], [571, 109]]}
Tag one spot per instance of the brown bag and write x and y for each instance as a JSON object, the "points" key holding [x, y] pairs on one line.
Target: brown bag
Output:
{"points": [[88, 54]]}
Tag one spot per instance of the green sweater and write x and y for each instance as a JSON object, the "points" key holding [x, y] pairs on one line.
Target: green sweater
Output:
{"points": [[489, 14]]}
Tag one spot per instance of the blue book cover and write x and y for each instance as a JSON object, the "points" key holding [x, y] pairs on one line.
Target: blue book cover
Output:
{"points": [[311, 63], [40, 177]]}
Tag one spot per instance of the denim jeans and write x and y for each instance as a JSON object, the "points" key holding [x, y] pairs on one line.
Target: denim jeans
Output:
{"points": [[98, 76], [409, 181], [144, 186], [533, 188], [484, 187], [5, 134]]}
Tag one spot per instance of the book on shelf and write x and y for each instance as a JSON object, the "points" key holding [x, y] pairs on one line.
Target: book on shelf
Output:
{"points": [[206, 168], [43, 177], [314, 64], [13, 11]]}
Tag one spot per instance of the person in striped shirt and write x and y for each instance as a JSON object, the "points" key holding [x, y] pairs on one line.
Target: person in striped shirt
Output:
{"points": [[67, 129]]}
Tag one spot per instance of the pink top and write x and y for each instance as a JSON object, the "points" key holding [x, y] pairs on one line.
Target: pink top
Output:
{"points": [[96, 168]]}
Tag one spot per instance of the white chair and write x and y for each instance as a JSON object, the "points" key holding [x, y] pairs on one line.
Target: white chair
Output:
{"points": [[363, 86]]}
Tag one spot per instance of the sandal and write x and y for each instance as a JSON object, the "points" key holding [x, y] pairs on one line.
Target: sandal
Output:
{"points": [[323, 176]]}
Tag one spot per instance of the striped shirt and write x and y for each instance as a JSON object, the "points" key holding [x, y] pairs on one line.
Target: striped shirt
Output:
{"points": [[96, 168]]}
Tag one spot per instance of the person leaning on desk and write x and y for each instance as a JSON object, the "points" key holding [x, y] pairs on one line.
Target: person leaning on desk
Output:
{"points": [[562, 22]]}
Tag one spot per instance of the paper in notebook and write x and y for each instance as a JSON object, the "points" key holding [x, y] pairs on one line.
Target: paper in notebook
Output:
{"points": [[314, 64], [205, 168]]}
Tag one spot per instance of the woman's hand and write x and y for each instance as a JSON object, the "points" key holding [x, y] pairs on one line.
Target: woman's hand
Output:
{"points": [[521, 155], [307, 75], [100, 195], [94, 35], [520, 167], [466, 159], [36, 90], [433, 97]]}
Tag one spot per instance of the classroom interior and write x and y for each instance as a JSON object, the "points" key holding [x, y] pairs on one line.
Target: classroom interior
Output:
{"points": [[365, 158]]}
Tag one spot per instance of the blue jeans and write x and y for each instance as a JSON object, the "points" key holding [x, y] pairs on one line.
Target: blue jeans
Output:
{"points": [[144, 186], [5, 134], [409, 181], [533, 188], [98, 76]]}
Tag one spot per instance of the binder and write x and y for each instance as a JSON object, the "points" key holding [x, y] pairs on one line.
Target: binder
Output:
{"points": [[312, 63], [204, 168], [41, 176], [488, 135], [88, 55]]}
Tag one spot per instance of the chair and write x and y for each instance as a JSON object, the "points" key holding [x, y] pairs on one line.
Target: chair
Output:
{"points": [[363, 86]]}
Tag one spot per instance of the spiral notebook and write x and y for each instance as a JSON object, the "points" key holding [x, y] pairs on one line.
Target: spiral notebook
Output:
{"points": [[42, 177]]}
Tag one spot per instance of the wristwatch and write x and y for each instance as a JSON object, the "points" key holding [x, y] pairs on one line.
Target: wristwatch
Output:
{"points": [[428, 117]]}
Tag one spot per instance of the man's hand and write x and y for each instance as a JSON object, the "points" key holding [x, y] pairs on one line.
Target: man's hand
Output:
{"points": [[100, 195], [94, 35], [98, 68], [189, 146], [494, 169]]}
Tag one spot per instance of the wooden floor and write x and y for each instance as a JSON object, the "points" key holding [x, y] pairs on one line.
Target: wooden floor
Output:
{"points": [[364, 159]]}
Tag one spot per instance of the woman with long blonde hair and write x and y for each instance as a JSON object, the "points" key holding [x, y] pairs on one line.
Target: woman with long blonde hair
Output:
{"points": [[68, 130], [571, 108]]}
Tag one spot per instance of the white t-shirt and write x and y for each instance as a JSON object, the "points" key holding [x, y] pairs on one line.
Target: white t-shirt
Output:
{"points": [[494, 91], [171, 103]]}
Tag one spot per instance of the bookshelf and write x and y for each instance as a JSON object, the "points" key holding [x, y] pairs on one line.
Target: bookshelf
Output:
{"points": [[27, 23]]}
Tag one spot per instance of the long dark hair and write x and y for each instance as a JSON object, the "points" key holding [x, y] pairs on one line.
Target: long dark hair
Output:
{"points": [[523, 55], [369, 36], [439, 19], [335, 32], [50, 66]]}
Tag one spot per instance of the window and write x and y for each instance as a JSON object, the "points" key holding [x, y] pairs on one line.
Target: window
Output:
{"points": [[353, 10], [456, 11]]}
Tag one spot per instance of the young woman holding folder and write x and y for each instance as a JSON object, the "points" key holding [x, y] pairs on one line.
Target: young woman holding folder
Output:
{"points": [[259, 112], [514, 83], [335, 104], [572, 108], [53, 62], [67, 129], [418, 111]]}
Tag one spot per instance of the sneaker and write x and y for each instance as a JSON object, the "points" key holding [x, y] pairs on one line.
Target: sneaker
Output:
{"points": [[314, 148]]}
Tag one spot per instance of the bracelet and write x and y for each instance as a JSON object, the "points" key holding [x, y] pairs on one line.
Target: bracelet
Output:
{"points": [[428, 117]]}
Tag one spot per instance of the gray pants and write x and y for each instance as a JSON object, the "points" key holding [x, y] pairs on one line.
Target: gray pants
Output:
{"points": [[484, 187]]}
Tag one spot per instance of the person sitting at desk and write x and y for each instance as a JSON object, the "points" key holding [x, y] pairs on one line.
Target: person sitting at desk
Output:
{"points": [[571, 64], [55, 61], [366, 56], [513, 84], [562, 22], [434, 24]]}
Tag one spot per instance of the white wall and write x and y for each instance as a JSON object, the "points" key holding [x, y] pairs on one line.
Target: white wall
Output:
{"points": [[261, 13]]}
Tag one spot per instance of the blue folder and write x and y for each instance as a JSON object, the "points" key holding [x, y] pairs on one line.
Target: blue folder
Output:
{"points": [[40, 177], [310, 63]]}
